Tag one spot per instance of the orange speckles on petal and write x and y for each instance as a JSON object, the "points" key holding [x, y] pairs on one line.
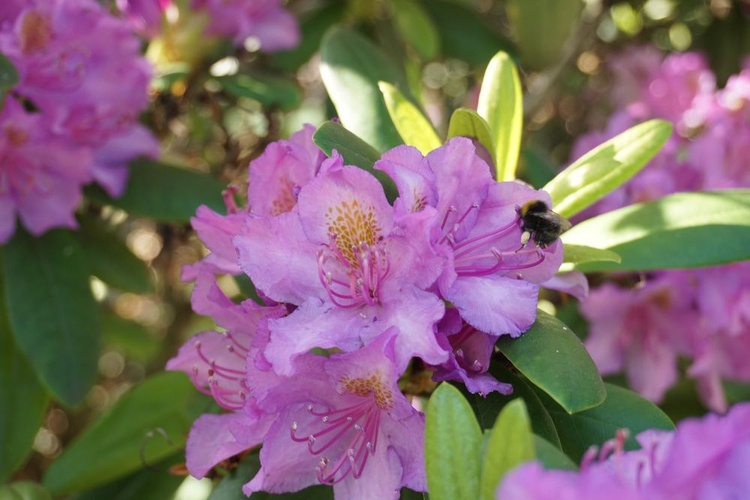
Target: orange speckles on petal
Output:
{"points": [[16, 137], [285, 199], [372, 385], [352, 224], [35, 32]]}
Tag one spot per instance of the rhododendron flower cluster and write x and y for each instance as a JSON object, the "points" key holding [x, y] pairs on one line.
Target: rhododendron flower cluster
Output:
{"points": [[343, 272], [699, 314], [702, 459], [73, 117]]}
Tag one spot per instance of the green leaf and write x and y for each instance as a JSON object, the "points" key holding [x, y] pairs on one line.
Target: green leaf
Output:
{"points": [[510, 444], [576, 255], [52, 313], [312, 26], [110, 259], [230, 488], [133, 339], [154, 483], [678, 231], [464, 33], [501, 104], [24, 490], [467, 123], [413, 126], [550, 455], [416, 27], [351, 67], [453, 443], [164, 192], [355, 151], [536, 165], [542, 27], [606, 167], [23, 401], [8, 76], [146, 425], [623, 409], [551, 356], [268, 90]]}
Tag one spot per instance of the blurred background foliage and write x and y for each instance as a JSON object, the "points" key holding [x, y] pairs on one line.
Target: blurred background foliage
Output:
{"points": [[214, 108]]}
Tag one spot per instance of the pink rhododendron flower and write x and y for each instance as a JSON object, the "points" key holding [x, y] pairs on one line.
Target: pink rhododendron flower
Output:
{"points": [[145, 16], [703, 459]]}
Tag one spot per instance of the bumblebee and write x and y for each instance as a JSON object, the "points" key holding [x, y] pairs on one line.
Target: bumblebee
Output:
{"points": [[541, 223]]}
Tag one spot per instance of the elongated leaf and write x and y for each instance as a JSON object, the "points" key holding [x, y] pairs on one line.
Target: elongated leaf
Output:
{"points": [[153, 483], [501, 104], [23, 401], [351, 67], [354, 150], [510, 444], [677, 231], [551, 356], [551, 456], [110, 259], [623, 409], [164, 192], [266, 89], [576, 255], [467, 123], [147, 424], [452, 446], [133, 339], [413, 126], [416, 27], [24, 490], [606, 167], [8, 76], [464, 34], [51, 311]]}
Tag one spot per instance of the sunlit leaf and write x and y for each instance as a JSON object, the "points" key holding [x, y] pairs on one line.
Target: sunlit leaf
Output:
{"points": [[467, 123], [52, 312], [501, 104], [416, 27], [575, 255], [24, 490], [452, 446], [606, 167], [552, 357], [413, 126], [268, 90], [678, 231]]}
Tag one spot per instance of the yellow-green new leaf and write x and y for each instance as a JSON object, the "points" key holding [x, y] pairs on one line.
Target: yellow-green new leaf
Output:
{"points": [[413, 126], [467, 123], [501, 104], [606, 167], [576, 255], [511, 443]]}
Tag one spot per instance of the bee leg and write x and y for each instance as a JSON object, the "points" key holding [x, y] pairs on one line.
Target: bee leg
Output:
{"points": [[525, 237]]}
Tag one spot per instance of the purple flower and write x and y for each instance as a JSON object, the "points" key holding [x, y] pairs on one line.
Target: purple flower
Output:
{"points": [[145, 16], [341, 421], [349, 266], [490, 275], [41, 175], [703, 459]]}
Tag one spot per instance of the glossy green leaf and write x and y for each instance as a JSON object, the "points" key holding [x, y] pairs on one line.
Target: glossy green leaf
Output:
{"points": [[146, 425], [501, 104], [464, 33], [153, 483], [52, 312], [354, 150], [542, 27], [412, 125], [678, 231], [551, 456], [23, 401], [24, 490], [467, 123], [453, 443], [110, 259], [230, 488], [576, 255], [416, 27], [8, 76], [623, 409], [551, 356], [510, 444], [351, 67], [606, 167], [131, 338], [313, 25], [164, 192], [268, 90]]}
